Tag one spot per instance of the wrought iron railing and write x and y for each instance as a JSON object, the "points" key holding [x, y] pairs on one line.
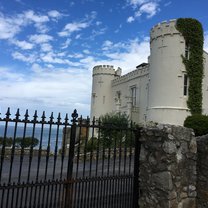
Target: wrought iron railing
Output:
{"points": [[55, 163]]}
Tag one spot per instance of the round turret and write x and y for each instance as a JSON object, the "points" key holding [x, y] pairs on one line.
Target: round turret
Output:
{"points": [[167, 90], [101, 98]]}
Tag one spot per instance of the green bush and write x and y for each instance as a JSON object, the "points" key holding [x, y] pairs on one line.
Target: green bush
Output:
{"points": [[91, 144], [7, 141], [199, 123], [26, 142]]}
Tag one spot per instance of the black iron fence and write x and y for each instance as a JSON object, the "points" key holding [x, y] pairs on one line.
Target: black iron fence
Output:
{"points": [[58, 163]]}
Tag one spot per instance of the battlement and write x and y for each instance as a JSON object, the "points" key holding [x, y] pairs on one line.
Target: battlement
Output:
{"points": [[163, 28], [104, 69], [139, 72]]}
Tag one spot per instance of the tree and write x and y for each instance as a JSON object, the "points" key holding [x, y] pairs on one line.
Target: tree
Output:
{"points": [[115, 130], [6, 141], [26, 142]]}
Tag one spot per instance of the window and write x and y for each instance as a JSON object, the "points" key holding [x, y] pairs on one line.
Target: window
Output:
{"points": [[187, 50], [133, 95], [185, 85], [118, 93]]}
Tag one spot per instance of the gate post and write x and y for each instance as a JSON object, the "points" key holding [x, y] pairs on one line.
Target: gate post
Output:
{"points": [[69, 188], [136, 168], [167, 167]]}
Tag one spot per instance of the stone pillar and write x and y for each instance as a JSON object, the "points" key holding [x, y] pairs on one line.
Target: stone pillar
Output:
{"points": [[168, 167], [202, 171]]}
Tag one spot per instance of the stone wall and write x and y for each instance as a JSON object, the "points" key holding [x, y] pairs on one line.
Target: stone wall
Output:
{"points": [[168, 167], [202, 171]]}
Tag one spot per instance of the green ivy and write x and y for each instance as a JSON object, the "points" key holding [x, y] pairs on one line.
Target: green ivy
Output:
{"points": [[192, 32]]}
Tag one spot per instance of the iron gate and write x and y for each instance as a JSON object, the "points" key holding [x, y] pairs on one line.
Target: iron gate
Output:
{"points": [[50, 163]]}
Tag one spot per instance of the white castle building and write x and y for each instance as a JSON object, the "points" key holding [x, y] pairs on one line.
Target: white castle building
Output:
{"points": [[156, 91]]}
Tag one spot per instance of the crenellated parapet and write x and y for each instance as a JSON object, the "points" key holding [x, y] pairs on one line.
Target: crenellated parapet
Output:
{"points": [[104, 69], [139, 72], [163, 29]]}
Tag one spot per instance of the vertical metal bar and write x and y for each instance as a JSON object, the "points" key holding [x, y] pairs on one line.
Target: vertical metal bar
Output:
{"points": [[50, 122], [22, 153], [125, 149], [7, 119], [31, 154], [85, 145], [136, 168], [63, 144], [92, 149], [48, 145], [12, 155], [79, 146], [98, 148], [2, 196], [120, 153], [71, 157], [39, 154], [56, 145]]}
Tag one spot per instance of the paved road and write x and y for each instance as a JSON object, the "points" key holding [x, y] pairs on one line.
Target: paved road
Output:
{"points": [[86, 193]]}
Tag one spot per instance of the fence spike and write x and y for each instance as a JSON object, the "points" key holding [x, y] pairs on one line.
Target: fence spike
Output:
{"points": [[35, 116], [51, 118], [17, 114], [59, 118], [26, 115], [43, 116], [66, 119], [74, 116], [8, 113]]}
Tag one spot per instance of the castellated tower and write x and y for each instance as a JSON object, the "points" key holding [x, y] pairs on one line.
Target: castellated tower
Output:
{"points": [[101, 98], [168, 82]]}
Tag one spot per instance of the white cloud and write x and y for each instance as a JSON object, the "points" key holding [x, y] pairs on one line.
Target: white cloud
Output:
{"points": [[127, 55], [130, 19], [73, 27], [28, 59], [140, 7], [30, 15], [150, 9], [24, 45], [136, 3], [45, 47], [98, 32], [107, 45], [86, 51], [54, 14], [42, 38], [8, 27], [50, 89], [66, 43]]}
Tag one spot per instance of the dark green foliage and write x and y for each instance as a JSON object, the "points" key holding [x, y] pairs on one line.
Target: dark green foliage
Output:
{"points": [[192, 31], [26, 142], [19, 142], [115, 130], [7, 142], [91, 144], [199, 123]]}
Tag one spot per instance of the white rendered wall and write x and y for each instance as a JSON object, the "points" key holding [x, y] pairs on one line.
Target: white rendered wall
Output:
{"points": [[205, 85], [101, 98], [139, 79], [167, 104]]}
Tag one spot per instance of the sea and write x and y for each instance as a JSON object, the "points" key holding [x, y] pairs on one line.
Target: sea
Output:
{"points": [[55, 134]]}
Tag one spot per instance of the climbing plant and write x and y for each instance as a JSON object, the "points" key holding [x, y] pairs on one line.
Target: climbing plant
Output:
{"points": [[192, 32]]}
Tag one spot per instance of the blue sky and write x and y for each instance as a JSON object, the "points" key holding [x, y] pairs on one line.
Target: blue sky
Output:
{"points": [[49, 47]]}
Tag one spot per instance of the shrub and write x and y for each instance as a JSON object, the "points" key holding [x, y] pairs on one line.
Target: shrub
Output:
{"points": [[199, 123], [91, 144], [6, 141], [26, 142]]}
